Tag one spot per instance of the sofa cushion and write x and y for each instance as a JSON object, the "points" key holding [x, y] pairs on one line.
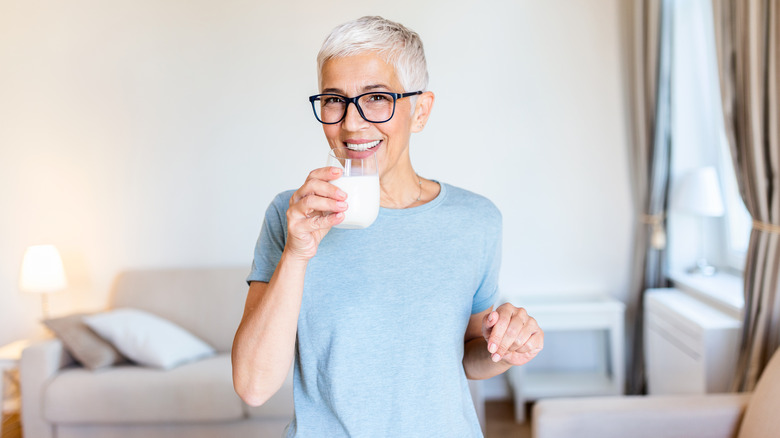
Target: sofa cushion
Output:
{"points": [[197, 391], [148, 339], [214, 299], [82, 343], [761, 419]]}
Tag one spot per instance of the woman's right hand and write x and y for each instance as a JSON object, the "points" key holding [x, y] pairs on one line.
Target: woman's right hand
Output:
{"points": [[314, 208]]}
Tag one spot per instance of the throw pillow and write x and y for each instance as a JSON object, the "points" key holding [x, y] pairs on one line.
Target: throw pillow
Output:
{"points": [[148, 339], [89, 349]]}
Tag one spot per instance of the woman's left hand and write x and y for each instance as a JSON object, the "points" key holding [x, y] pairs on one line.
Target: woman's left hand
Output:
{"points": [[512, 335]]}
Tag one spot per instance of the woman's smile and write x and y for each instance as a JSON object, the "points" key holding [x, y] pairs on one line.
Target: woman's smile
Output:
{"points": [[361, 145], [359, 149]]}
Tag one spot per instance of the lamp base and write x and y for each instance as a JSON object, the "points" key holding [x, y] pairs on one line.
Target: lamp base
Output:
{"points": [[703, 268]]}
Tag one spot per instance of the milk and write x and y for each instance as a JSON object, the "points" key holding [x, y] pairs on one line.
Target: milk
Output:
{"points": [[362, 200]]}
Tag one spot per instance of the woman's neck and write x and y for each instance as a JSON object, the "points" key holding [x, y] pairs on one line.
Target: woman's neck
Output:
{"points": [[401, 189]]}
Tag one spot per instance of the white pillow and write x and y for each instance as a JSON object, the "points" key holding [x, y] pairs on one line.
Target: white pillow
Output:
{"points": [[148, 339]]}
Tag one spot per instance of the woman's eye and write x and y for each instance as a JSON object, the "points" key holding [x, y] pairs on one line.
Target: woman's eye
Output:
{"points": [[377, 97], [332, 100]]}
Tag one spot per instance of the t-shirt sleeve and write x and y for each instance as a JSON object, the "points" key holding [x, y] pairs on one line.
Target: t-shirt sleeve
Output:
{"points": [[487, 293], [270, 243]]}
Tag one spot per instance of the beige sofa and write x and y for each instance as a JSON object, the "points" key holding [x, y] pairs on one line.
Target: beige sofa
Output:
{"points": [[750, 415], [196, 399]]}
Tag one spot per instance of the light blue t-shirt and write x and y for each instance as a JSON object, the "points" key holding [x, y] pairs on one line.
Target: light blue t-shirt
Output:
{"points": [[384, 311]]}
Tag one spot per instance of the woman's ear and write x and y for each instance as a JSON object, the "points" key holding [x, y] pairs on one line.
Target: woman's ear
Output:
{"points": [[422, 111]]}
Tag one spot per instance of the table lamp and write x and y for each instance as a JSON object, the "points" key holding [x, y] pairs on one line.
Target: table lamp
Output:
{"points": [[699, 195], [42, 273]]}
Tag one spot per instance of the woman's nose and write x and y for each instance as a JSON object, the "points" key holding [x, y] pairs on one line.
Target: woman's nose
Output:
{"points": [[352, 120]]}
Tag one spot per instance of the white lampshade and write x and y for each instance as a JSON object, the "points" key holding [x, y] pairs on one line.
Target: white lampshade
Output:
{"points": [[42, 270], [699, 193]]}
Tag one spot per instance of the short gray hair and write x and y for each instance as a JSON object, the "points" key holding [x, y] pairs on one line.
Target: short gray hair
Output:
{"points": [[398, 45]]}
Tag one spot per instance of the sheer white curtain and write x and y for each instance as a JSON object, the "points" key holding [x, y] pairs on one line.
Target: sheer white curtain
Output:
{"points": [[697, 132]]}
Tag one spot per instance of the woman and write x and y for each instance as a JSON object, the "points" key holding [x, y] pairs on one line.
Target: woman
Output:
{"points": [[384, 324]]}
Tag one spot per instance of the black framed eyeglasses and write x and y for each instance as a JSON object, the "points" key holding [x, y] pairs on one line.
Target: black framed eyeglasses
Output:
{"points": [[374, 107]]}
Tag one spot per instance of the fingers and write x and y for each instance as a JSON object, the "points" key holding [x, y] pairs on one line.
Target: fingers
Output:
{"points": [[314, 208], [503, 333], [328, 173], [488, 322], [529, 350], [528, 340], [318, 202], [318, 221], [512, 332], [318, 184]]}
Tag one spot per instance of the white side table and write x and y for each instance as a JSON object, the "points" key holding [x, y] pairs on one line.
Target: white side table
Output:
{"points": [[9, 361], [573, 313]]}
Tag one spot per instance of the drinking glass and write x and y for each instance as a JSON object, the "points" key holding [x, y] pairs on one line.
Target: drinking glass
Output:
{"points": [[360, 180]]}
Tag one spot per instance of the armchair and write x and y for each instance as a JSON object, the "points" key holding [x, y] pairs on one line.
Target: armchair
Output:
{"points": [[746, 415]]}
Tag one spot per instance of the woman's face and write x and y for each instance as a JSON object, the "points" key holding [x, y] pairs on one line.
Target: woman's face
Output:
{"points": [[354, 75]]}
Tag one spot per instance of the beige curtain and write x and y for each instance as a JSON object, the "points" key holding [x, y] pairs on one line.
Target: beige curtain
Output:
{"points": [[650, 155], [748, 43]]}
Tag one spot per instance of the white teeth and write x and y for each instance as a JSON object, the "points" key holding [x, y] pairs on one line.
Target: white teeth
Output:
{"points": [[362, 146]]}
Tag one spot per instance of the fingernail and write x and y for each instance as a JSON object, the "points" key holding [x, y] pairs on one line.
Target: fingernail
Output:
{"points": [[341, 194], [341, 204], [492, 347], [495, 357], [335, 170]]}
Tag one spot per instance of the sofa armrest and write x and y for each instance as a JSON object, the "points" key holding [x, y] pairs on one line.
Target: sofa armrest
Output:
{"points": [[690, 416], [39, 363]]}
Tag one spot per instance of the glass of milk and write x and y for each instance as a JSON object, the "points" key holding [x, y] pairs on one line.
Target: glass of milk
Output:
{"points": [[360, 181]]}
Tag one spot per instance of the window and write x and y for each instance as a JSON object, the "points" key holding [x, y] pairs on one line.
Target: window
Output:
{"points": [[699, 140]]}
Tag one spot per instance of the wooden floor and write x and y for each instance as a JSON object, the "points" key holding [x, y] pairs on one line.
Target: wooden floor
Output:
{"points": [[499, 415], [11, 426], [500, 418]]}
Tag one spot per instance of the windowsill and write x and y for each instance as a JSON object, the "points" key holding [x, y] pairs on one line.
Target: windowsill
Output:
{"points": [[722, 290]]}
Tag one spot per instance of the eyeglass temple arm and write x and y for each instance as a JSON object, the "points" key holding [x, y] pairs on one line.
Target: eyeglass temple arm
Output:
{"points": [[411, 93]]}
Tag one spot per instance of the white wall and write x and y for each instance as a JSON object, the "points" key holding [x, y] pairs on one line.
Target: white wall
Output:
{"points": [[154, 133]]}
